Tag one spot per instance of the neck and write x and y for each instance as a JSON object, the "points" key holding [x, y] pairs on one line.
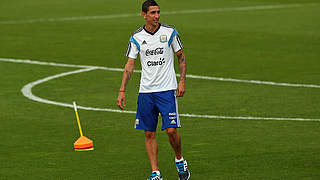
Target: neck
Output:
{"points": [[151, 28]]}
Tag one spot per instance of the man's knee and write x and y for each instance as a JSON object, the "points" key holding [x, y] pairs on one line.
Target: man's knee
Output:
{"points": [[172, 131], [150, 134]]}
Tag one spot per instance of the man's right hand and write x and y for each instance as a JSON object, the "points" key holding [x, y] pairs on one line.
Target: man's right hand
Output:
{"points": [[121, 98], [128, 70]]}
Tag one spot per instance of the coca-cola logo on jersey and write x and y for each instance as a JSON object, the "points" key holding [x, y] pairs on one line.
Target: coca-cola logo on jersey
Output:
{"points": [[154, 51]]}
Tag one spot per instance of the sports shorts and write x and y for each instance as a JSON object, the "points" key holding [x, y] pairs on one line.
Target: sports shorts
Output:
{"points": [[149, 107]]}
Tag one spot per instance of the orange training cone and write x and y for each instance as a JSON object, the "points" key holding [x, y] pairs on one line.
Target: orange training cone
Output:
{"points": [[83, 143]]}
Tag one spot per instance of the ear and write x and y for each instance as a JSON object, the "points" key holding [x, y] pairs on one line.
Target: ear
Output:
{"points": [[143, 14]]}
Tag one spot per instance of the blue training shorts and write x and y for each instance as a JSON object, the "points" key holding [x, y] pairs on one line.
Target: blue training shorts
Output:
{"points": [[149, 107]]}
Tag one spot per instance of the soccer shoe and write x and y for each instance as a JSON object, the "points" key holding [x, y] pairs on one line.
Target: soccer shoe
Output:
{"points": [[155, 176], [183, 171]]}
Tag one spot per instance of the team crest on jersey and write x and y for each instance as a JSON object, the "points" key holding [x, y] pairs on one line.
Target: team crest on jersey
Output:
{"points": [[163, 38]]}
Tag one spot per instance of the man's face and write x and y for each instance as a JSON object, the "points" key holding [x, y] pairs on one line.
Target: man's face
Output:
{"points": [[152, 16]]}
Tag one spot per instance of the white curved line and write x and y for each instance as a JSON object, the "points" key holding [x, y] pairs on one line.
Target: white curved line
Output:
{"points": [[27, 89], [27, 61], [196, 11], [27, 92]]}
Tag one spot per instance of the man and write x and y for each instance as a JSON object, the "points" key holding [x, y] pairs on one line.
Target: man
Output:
{"points": [[156, 44]]}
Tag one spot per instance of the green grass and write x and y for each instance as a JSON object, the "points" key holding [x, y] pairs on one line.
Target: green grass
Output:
{"points": [[280, 45]]}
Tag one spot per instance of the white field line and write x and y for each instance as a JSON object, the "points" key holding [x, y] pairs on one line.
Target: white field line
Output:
{"points": [[252, 81], [27, 61], [113, 16], [246, 117], [27, 92]]}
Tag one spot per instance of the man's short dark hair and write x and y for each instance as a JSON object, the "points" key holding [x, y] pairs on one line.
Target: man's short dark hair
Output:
{"points": [[147, 4]]}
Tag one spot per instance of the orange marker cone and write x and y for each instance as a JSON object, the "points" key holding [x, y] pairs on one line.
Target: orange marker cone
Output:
{"points": [[83, 143]]}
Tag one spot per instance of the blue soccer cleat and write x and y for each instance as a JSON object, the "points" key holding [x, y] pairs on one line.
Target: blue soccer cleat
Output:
{"points": [[183, 171], [155, 176]]}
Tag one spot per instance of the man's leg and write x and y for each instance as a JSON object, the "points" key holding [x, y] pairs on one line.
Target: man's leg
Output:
{"points": [[175, 141], [152, 149]]}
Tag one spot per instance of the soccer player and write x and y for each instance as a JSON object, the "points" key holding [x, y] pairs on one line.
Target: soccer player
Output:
{"points": [[156, 44]]}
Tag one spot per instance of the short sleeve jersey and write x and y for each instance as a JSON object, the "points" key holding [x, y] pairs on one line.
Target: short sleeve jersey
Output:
{"points": [[156, 52]]}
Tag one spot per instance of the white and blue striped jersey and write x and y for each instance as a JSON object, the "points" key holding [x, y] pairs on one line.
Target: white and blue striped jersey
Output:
{"points": [[156, 52]]}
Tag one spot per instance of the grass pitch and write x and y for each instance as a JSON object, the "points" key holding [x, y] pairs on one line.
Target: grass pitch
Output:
{"points": [[279, 44]]}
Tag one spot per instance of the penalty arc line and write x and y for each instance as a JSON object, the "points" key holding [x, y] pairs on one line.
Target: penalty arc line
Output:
{"points": [[27, 92], [113, 16]]}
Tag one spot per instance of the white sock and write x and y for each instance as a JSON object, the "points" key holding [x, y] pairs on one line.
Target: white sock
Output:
{"points": [[158, 172], [178, 160]]}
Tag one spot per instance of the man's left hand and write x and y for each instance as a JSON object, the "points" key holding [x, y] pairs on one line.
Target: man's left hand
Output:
{"points": [[181, 89]]}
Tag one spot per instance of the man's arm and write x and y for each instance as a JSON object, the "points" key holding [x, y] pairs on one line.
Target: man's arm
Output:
{"points": [[183, 70], [128, 70]]}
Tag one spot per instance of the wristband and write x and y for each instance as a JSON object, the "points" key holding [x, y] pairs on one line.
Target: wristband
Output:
{"points": [[122, 91]]}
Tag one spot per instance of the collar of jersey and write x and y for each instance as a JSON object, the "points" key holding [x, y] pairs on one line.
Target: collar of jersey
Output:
{"points": [[144, 27]]}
